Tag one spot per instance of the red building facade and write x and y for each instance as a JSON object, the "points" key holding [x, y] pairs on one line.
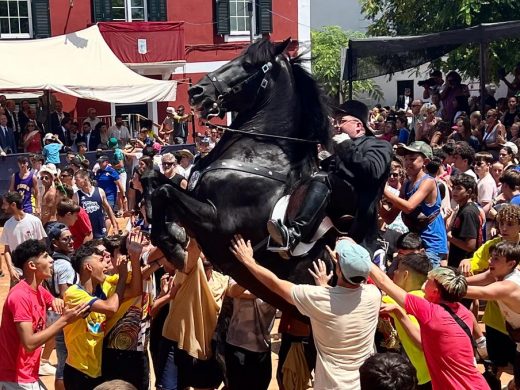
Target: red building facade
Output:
{"points": [[196, 36]]}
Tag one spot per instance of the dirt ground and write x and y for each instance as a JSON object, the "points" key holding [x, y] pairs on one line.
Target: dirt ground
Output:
{"points": [[49, 380]]}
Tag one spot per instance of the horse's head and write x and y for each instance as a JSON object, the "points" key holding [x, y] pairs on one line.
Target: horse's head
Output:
{"points": [[237, 85]]}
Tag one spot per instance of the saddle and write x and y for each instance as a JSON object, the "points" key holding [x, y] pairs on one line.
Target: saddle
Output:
{"points": [[285, 207]]}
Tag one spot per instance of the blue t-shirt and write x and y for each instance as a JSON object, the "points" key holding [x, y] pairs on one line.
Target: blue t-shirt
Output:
{"points": [[404, 134], [515, 200], [51, 152], [106, 180]]}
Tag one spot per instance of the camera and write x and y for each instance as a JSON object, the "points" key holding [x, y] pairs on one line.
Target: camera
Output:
{"points": [[427, 83]]}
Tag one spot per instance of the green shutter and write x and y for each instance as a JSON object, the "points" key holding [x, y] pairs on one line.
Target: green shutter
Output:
{"points": [[222, 17], [102, 10], [264, 17], [157, 11], [40, 18]]}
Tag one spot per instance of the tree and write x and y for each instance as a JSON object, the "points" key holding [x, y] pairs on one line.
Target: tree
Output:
{"points": [[415, 17], [326, 63]]}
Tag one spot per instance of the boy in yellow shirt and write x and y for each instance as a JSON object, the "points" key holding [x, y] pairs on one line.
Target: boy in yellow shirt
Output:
{"points": [[411, 273], [84, 337], [500, 347]]}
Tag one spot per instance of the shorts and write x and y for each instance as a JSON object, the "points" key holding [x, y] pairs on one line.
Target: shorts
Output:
{"points": [[501, 349], [197, 373], [77, 380], [130, 366], [22, 386], [61, 354]]}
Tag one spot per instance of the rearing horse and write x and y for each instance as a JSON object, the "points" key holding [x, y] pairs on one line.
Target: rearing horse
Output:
{"points": [[271, 145]]}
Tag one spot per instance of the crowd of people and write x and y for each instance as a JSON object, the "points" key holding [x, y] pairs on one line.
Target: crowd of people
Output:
{"points": [[105, 299], [30, 129]]}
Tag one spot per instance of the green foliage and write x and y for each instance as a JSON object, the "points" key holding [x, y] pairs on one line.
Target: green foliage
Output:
{"points": [[326, 63], [415, 17]]}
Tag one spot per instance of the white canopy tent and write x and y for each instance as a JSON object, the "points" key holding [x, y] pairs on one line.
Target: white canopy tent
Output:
{"points": [[80, 64]]}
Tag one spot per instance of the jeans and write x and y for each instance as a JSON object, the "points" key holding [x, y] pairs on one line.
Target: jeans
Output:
{"points": [[435, 258], [61, 354], [167, 369]]}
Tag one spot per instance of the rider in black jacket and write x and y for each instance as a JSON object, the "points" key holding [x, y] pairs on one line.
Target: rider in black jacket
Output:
{"points": [[357, 174]]}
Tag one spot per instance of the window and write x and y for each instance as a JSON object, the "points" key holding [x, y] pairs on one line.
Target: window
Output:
{"points": [[232, 18], [15, 20], [129, 10], [239, 16]]}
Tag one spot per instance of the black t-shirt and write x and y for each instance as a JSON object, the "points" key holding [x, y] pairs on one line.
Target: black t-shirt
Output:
{"points": [[509, 118], [466, 225]]}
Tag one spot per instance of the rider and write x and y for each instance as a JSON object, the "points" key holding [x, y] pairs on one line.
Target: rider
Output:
{"points": [[359, 167]]}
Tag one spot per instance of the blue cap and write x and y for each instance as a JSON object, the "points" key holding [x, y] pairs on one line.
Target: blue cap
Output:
{"points": [[354, 260]]}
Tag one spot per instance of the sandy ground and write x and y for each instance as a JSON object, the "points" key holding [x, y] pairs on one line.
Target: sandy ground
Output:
{"points": [[49, 380]]}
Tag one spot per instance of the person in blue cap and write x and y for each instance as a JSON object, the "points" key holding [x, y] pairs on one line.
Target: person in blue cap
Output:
{"points": [[343, 317]]}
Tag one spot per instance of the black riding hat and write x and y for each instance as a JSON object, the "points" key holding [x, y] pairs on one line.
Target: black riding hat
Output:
{"points": [[356, 109]]}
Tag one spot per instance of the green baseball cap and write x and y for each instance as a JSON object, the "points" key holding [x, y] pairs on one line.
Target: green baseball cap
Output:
{"points": [[415, 147]]}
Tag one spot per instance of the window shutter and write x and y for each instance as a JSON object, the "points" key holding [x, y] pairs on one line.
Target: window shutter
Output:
{"points": [[264, 17], [157, 11], [40, 18], [222, 17], [102, 10]]}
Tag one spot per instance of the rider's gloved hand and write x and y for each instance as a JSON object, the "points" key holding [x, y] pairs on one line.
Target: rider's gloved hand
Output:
{"points": [[339, 138]]}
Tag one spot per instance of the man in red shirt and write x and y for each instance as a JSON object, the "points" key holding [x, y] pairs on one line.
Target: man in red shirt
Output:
{"points": [[22, 331], [447, 348], [76, 219]]}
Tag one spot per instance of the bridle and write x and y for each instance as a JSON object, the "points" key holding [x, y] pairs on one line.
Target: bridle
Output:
{"points": [[225, 91]]}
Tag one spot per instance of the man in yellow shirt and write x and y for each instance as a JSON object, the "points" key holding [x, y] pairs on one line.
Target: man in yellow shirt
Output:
{"points": [[84, 337], [411, 273], [500, 347]]}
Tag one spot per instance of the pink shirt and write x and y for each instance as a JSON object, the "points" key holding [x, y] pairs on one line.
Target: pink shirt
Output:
{"points": [[447, 348], [23, 304]]}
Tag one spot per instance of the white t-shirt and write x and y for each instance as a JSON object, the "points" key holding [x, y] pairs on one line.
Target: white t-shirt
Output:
{"points": [[472, 174], [487, 189], [15, 232], [344, 322]]}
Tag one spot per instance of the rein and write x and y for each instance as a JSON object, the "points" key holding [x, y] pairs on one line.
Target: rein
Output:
{"points": [[254, 134]]}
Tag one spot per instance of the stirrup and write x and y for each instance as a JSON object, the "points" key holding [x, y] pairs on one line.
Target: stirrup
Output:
{"points": [[278, 236]]}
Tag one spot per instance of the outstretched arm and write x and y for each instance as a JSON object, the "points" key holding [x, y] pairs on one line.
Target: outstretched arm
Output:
{"points": [[492, 292], [387, 285], [244, 253]]}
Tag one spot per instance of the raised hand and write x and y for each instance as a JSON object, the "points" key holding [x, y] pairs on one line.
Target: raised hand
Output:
{"points": [[134, 245], [72, 314], [243, 251], [321, 278], [57, 305]]}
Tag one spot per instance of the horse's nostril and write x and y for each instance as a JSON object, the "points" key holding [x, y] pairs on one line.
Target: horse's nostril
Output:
{"points": [[195, 92]]}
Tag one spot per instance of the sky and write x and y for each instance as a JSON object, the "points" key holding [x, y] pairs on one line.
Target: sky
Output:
{"points": [[343, 13]]}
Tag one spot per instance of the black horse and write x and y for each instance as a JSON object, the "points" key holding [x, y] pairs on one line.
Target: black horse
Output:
{"points": [[269, 148]]}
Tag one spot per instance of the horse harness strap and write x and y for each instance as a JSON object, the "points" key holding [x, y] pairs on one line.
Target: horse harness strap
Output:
{"points": [[225, 91], [236, 166]]}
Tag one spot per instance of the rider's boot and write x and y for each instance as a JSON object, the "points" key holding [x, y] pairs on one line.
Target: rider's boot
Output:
{"points": [[305, 223]]}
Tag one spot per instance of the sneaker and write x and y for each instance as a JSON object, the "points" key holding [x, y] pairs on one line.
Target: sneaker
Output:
{"points": [[46, 369]]}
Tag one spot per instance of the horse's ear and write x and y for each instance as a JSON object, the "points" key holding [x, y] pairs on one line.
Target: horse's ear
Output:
{"points": [[279, 48]]}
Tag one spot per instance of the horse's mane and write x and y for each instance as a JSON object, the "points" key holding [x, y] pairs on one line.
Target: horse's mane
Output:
{"points": [[315, 110]]}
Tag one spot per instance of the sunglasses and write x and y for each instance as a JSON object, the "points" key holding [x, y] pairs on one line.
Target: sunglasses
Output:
{"points": [[394, 175], [167, 165]]}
